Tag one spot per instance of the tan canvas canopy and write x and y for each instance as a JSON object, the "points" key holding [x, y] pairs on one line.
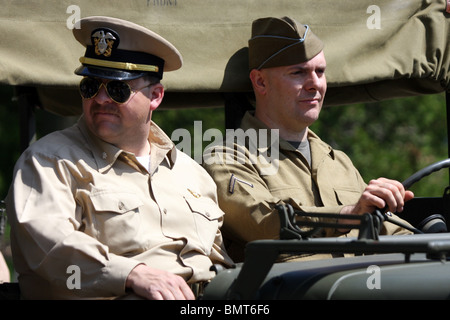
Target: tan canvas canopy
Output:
{"points": [[375, 50]]}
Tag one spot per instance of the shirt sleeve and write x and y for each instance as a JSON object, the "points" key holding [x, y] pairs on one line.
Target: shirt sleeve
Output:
{"points": [[249, 206], [47, 232]]}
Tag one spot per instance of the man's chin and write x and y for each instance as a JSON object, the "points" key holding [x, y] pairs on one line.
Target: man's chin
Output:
{"points": [[106, 131]]}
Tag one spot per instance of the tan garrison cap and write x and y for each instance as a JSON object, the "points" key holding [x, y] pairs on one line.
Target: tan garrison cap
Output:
{"points": [[281, 42], [122, 50]]}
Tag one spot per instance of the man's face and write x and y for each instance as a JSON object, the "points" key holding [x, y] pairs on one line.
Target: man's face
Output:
{"points": [[295, 94], [120, 124]]}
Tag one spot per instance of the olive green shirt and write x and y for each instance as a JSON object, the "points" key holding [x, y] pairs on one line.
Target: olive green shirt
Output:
{"points": [[252, 177], [85, 212]]}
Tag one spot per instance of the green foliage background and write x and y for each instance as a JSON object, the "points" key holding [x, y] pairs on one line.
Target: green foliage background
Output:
{"points": [[391, 138]]}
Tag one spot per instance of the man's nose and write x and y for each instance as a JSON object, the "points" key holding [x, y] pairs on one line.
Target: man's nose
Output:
{"points": [[102, 96], [313, 82]]}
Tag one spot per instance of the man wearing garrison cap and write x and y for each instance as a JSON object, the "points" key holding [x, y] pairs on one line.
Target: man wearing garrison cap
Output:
{"points": [[287, 71], [109, 208]]}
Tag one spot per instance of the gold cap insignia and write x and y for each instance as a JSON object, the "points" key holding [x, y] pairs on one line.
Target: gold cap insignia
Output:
{"points": [[104, 41]]}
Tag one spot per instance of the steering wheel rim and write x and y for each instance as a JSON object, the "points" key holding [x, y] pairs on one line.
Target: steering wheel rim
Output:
{"points": [[408, 183], [425, 172]]}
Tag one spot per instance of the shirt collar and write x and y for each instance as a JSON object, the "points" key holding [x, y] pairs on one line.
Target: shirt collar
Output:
{"points": [[250, 121], [106, 154], [161, 148]]}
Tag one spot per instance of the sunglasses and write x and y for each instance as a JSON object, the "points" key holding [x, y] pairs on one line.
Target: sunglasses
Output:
{"points": [[119, 91]]}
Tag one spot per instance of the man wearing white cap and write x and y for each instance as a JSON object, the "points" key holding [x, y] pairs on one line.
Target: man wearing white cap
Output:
{"points": [[287, 70], [109, 208]]}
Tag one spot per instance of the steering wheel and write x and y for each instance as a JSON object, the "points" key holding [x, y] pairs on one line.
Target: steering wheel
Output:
{"points": [[407, 184], [425, 172]]}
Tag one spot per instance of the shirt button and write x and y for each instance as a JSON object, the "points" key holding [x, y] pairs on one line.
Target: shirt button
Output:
{"points": [[165, 211], [121, 205], [104, 155]]}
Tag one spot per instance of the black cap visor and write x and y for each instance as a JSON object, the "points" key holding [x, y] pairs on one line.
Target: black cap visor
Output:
{"points": [[108, 73]]}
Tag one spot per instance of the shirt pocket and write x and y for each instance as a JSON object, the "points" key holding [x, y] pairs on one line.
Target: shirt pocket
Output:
{"points": [[347, 196], [291, 194], [206, 215], [116, 219]]}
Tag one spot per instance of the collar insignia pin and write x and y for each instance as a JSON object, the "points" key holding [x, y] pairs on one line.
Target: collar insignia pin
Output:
{"points": [[195, 194]]}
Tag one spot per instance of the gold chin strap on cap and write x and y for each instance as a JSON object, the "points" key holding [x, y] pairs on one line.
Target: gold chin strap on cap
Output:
{"points": [[119, 65]]}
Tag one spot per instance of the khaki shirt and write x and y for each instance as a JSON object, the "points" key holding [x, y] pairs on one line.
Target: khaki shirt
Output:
{"points": [[249, 189], [85, 212], [4, 270]]}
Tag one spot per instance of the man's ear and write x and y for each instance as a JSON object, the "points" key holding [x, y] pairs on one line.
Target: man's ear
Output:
{"points": [[156, 95], [258, 81]]}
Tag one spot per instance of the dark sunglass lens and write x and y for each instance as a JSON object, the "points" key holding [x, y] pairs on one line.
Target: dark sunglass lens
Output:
{"points": [[119, 91], [89, 87]]}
